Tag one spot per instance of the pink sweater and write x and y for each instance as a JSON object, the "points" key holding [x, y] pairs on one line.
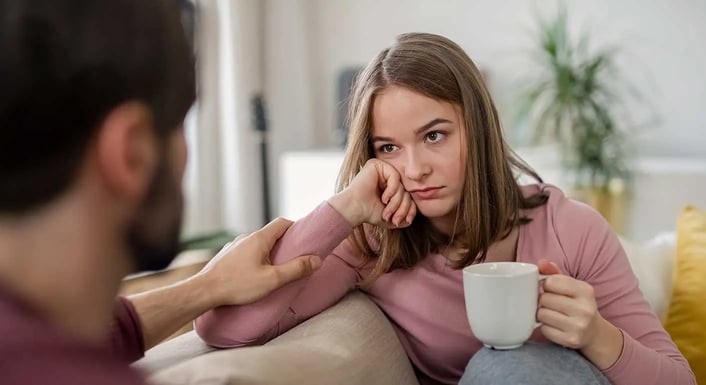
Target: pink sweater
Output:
{"points": [[426, 304]]}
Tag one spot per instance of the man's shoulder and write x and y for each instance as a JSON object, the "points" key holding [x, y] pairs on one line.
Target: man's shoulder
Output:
{"points": [[31, 353], [63, 368], [34, 361]]}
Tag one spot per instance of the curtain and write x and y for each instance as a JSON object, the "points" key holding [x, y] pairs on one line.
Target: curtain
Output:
{"points": [[224, 174]]}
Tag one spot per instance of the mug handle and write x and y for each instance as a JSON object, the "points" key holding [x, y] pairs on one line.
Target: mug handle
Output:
{"points": [[541, 277]]}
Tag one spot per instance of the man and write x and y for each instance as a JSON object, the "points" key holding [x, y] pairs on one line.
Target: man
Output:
{"points": [[92, 98]]}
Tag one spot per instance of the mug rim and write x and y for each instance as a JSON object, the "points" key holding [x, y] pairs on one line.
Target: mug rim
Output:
{"points": [[532, 269]]}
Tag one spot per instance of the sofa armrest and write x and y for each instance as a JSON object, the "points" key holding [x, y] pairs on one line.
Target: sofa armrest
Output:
{"points": [[351, 343]]}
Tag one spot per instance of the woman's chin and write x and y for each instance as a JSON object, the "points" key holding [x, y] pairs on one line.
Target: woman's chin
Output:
{"points": [[435, 212]]}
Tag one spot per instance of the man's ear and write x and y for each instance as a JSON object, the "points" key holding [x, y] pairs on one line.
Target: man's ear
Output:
{"points": [[127, 150]]}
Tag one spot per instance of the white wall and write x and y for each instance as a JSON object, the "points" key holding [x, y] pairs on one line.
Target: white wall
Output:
{"points": [[309, 41], [662, 43], [308, 178], [289, 81]]}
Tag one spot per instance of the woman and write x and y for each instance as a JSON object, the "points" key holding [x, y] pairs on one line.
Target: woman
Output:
{"points": [[428, 186]]}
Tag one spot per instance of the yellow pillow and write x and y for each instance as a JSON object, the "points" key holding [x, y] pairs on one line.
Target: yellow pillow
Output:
{"points": [[686, 318]]}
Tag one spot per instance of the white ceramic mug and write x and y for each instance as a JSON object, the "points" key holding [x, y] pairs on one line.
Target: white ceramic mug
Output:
{"points": [[501, 302]]}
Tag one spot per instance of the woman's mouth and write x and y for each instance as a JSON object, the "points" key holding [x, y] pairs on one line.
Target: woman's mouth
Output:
{"points": [[426, 193]]}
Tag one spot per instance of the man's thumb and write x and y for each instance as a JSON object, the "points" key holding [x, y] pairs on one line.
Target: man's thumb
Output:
{"points": [[297, 268]]}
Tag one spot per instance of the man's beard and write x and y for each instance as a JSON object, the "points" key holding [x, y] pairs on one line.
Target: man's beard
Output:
{"points": [[153, 236]]}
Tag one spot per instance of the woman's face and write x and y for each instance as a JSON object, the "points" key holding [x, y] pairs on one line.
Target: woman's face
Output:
{"points": [[423, 139]]}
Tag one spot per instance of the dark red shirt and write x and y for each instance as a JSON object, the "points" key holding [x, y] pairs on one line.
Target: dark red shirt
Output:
{"points": [[33, 352]]}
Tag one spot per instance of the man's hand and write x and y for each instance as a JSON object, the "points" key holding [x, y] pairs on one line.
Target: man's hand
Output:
{"points": [[241, 272]]}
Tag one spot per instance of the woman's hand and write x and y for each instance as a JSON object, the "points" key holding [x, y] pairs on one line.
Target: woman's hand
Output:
{"points": [[376, 196], [570, 317]]}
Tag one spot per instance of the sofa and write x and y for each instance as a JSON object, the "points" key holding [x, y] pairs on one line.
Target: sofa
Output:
{"points": [[350, 343]]}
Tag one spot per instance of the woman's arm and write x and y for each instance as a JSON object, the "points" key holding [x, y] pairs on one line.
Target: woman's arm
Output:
{"points": [[318, 233], [375, 196], [595, 257]]}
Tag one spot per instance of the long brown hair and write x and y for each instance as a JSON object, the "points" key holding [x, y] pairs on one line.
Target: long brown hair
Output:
{"points": [[490, 205]]}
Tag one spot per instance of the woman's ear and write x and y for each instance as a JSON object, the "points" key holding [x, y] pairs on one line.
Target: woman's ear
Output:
{"points": [[127, 150]]}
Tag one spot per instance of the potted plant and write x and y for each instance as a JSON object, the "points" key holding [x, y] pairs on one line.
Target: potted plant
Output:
{"points": [[572, 99]]}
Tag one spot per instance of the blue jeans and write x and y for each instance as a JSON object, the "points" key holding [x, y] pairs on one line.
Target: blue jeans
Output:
{"points": [[531, 364]]}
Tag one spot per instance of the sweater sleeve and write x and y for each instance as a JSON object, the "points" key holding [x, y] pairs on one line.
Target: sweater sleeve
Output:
{"points": [[319, 233], [125, 332], [594, 255]]}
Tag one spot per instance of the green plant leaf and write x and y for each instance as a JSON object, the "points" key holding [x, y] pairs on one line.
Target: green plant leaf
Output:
{"points": [[572, 99]]}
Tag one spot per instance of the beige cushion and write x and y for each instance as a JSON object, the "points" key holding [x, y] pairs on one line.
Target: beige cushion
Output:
{"points": [[349, 344]]}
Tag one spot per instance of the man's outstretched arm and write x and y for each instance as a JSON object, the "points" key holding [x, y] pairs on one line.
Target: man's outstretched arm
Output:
{"points": [[239, 274]]}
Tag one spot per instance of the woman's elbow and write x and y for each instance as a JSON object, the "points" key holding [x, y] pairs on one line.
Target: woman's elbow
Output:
{"points": [[223, 332]]}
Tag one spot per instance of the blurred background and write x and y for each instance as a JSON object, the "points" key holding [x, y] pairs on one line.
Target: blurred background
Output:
{"points": [[266, 135]]}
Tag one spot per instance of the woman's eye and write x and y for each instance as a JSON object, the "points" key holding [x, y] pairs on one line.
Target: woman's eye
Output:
{"points": [[387, 148], [434, 137]]}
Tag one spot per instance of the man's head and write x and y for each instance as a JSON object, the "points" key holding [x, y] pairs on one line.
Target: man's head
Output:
{"points": [[105, 82]]}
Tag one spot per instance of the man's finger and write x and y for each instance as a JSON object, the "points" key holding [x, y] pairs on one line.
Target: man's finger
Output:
{"points": [[239, 238], [234, 242], [295, 269], [273, 231], [228, 246]]}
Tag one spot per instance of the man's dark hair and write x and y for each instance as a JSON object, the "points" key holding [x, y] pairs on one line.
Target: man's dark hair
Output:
{"points": [[64, 65]]}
